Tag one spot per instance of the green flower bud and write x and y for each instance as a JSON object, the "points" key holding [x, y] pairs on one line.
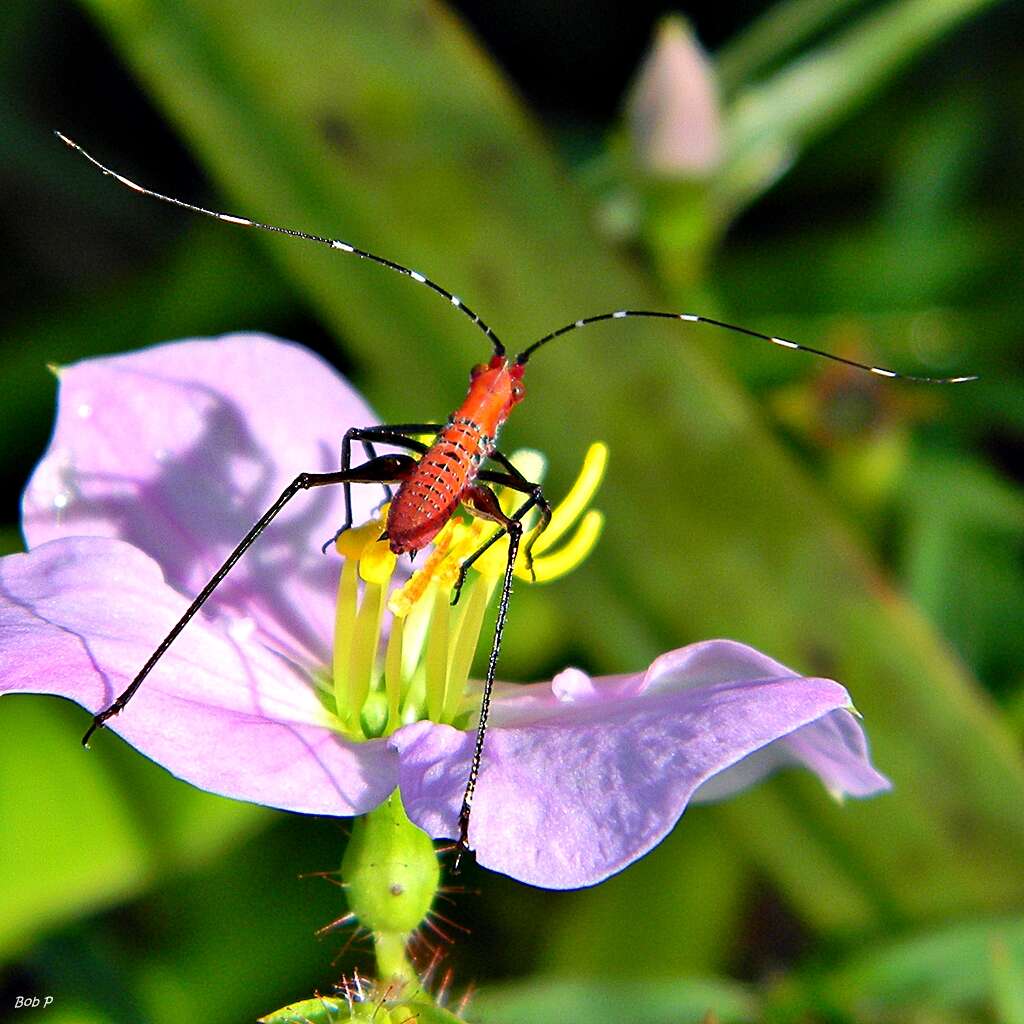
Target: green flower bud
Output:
{"points": [[391, 874]]}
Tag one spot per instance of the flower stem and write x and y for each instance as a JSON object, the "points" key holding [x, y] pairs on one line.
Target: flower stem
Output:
{"points": [[392, 959]]}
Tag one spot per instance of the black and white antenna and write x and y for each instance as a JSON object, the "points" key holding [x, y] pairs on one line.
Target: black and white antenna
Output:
{"points": [[696, 318], [332, 243], [454, 300]]}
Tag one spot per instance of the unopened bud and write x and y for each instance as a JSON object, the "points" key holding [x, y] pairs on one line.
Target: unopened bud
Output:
{"points": [[673, 109]]}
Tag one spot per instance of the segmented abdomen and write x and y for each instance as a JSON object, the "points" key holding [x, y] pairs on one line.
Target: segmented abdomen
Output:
{"points": [[428, 496]]}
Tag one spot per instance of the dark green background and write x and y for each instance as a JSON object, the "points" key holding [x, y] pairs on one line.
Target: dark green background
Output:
{"points": [[869, 203]]}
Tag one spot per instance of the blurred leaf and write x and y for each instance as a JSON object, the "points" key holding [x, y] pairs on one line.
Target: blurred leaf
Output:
{"points": [[101, 841], [72, 1012], [11, 541], [387, 126], [236, 937], [935, 165], [68, 819], [872, 268], [666, 937], [218, 943], [961, 558], [1007, 980], [772, 122], [781, 30], [946, 968], [602, 1002]]}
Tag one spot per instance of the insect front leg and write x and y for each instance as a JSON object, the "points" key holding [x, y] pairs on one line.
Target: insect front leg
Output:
{"points": [[384, 469]]}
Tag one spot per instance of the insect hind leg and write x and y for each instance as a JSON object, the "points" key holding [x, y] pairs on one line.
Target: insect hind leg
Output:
{"points": [[394, 435], [378, 470]]}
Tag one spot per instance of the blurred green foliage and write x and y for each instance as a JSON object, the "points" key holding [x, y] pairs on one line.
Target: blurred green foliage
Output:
{"points": [[867, 202]]}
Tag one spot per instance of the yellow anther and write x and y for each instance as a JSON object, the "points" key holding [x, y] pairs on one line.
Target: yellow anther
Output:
{"points": [[377, 563], [354, 541], [572, 506]]}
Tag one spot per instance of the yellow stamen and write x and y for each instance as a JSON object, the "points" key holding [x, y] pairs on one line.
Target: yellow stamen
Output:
{"points": [[344, 628], [431, 647], [357, 624], [365, 639], [393, 673], [437, 656], [572, 506], [414, 633], [475, 599]]}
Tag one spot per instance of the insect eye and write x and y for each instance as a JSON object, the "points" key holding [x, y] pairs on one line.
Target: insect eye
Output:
{"points": [[477, 370]]}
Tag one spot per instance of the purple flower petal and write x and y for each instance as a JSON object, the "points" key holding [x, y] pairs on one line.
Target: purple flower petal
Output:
{"points": [[178, 449], [79, 617], [834, 748], [578, 781], [163, 459]]}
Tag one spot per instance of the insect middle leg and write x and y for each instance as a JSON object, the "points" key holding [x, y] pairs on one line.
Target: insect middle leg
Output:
{"points": [[514, 480], [383, 469]]}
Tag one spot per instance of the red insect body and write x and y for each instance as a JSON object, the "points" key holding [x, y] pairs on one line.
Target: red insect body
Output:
{"points": [[427, 497]]}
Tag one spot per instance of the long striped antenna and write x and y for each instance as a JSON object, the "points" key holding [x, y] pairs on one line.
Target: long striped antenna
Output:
{"points": [[694, 318], [332, 243]]}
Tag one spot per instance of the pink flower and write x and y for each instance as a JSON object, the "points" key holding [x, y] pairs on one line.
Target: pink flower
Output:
{"points": [[159, 463]]}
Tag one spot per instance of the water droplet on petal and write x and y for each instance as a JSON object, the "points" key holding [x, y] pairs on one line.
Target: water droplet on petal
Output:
{"points": [[84, 410], [61, 500], [571, 685]]}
